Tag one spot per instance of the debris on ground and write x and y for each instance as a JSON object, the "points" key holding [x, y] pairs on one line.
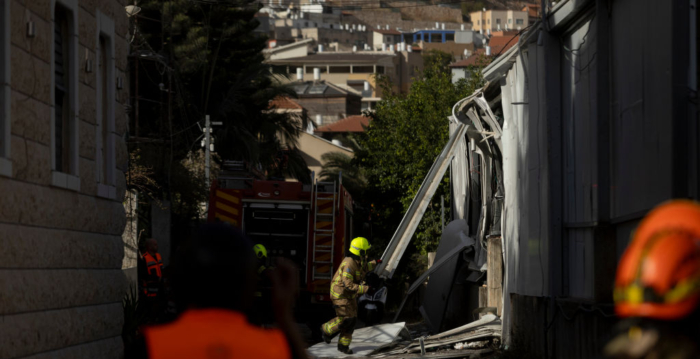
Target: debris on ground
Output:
{"points": [[478, 339], [365, 341]]}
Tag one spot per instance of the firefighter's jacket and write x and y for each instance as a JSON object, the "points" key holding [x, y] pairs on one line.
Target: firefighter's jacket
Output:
{"points": [[347, 283], [153, 274]]}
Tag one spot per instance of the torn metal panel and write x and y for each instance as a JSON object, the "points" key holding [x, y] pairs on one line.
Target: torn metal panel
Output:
{"points": [[459, 178], [397, 246], [442, 354], [486, 319], [455, 235], [365, 341], [480, 329], [436, 266]]}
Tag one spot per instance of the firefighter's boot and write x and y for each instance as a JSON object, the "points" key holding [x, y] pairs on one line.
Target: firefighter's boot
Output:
{"points": [[326, 338], [344, 349]]}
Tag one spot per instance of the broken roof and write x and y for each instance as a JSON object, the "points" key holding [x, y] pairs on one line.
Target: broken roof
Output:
{"points": [[356, 123]]}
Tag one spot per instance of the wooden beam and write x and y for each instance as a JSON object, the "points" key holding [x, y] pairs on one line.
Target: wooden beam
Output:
{"points": [[494, 275]]}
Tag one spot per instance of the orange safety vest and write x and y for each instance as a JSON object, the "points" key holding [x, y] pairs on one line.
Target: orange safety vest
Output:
{"points": [[154, 266], [214, 333]]}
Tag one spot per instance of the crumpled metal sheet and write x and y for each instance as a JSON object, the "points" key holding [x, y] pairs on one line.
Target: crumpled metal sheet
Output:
{"points": [[487, 327], [365, 341], [456, 234], [441, 281]]}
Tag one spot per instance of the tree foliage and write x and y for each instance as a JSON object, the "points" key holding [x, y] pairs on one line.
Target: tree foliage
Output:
{"points": [[338, 164], [218, 70], [404, 137]]}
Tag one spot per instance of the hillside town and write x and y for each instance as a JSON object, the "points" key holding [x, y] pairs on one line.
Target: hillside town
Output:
{"points": [[349, 178]]}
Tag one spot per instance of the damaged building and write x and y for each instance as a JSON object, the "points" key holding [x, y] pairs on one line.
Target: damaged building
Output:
{"points": [[583, 127]]}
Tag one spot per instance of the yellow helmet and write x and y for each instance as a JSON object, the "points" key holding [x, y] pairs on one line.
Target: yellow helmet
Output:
{"points": [[260, 251], [359, 246]]}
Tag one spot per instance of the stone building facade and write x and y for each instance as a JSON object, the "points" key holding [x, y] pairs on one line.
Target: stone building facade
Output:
{"points": [[63, 93]]}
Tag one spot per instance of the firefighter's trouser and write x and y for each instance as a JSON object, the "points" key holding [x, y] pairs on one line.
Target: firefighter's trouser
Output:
{"points": [[344, 322]]}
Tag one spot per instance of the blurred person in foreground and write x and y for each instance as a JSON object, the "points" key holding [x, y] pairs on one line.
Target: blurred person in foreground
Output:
{"points": [[215, 277], [657, 287]]}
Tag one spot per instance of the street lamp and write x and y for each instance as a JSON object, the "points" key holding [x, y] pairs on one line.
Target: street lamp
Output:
{"points": [[132, 10]]}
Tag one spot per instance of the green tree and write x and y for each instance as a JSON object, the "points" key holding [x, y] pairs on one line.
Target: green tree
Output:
{"points": [[219, 67], [404, 137], [340, 164]]}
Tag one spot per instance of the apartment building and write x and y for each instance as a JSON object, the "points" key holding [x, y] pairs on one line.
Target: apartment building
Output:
{"points": [[497, 20], [357, 70]]}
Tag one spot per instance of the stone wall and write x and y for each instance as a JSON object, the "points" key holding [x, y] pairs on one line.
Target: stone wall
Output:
{"points": [[61, 249]]}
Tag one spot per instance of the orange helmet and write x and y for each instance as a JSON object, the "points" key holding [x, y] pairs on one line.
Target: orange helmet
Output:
{"points": [[659, 273]]}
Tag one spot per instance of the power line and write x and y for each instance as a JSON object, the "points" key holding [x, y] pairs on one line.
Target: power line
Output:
{"points": [[511, 39]]}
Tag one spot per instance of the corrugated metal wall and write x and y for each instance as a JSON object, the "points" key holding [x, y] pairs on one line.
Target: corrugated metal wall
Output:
{"points": [[599, 127]]}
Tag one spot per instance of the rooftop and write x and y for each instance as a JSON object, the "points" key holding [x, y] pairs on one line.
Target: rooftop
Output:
{"points": [[304, 42], [387, 32], [336, 57], [435, 31], [284, 103], [501, 44], [320, 88], [533, 10], [472, 60], [355, 123]]}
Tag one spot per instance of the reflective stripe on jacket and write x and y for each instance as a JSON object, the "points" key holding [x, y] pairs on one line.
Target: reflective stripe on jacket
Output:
{"points": [[155, 273], [346, 281], [214, 333]]}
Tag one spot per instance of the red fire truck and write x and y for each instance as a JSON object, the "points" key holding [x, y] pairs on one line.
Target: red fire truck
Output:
{"points": [[308, 224]]}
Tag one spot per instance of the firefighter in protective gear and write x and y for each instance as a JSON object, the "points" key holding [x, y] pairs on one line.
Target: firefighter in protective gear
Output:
{"points": [[657, 287], [346, 286], [261, 313], [261, 255]]}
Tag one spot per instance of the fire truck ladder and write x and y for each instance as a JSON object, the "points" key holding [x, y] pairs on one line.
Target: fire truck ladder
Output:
{"points": [[325, 199]]}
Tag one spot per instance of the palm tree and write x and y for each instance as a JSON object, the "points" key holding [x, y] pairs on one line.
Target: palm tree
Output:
{"points": [[338, 163]]}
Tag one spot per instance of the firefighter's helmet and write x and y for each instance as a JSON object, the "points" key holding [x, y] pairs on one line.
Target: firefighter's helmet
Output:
{"points": [[659, 274], [359, 246], [260, 251]]}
